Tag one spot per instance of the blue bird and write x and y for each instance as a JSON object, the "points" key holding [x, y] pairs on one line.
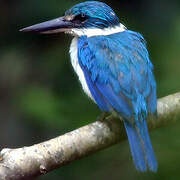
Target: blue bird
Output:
{"points": [[114, 68]]}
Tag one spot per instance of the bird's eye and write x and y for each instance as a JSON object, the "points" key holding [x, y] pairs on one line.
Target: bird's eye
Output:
{"points": [[83, 15], [80, 18]]}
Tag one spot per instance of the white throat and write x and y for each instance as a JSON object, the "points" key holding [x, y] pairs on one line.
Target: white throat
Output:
{"points": [[75, 63], [89, 32]]}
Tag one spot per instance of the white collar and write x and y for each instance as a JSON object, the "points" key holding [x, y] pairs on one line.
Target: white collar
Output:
{"points": [[89, 32]]}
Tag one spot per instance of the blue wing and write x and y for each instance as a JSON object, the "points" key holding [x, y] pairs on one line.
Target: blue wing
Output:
{"points": [[118, 67], [119, 75]]}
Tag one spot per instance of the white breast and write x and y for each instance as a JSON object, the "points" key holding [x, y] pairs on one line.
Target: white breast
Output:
{"points": [[74, 61]]}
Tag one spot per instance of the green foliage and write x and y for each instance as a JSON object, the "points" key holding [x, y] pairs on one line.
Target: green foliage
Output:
{"points": [[39, 104]]}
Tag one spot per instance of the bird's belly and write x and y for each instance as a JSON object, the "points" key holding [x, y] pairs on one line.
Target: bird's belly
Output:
{"points": [[74, 61]]}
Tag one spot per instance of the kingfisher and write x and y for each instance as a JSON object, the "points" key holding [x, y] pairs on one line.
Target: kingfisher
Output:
{"points": [[114, 69]]}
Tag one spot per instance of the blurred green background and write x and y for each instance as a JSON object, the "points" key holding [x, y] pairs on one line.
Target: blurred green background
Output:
{"points": [[41, 98]]}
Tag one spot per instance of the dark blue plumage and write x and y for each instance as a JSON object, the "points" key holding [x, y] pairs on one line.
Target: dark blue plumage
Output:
{"points": [[114, 69], [119, 75]]}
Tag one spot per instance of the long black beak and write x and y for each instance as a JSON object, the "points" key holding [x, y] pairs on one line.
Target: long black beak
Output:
{"points": [[53, 26]]}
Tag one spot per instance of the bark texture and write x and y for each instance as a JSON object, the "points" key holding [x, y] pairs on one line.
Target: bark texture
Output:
{"points": [[32, 161]]}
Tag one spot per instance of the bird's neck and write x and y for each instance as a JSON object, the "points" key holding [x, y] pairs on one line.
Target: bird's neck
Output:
{"points": [[89, 32]]}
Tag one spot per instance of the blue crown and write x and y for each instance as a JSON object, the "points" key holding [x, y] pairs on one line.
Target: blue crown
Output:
{"points": [[93, 14]]}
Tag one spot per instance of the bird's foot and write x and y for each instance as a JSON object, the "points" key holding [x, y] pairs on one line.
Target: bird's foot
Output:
{"points": [[108, 116], [114, 115], [102, 116]]}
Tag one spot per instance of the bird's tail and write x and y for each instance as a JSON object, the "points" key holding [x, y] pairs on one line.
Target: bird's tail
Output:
{"points": [[140, 146]]}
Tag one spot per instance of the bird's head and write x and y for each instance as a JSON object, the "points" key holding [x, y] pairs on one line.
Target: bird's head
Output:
{"points": [[81, 19], [92, 14]]}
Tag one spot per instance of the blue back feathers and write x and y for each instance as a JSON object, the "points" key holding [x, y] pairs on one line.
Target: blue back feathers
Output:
{"points": [[119, 75]]}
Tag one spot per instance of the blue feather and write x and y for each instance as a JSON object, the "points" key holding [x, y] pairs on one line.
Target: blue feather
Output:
{"points": [[140, 146], [100, 100], [119, 75], [101, 15]]}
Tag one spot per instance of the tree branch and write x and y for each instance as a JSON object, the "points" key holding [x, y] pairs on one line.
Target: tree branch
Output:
{"points": [[29, 162]]}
